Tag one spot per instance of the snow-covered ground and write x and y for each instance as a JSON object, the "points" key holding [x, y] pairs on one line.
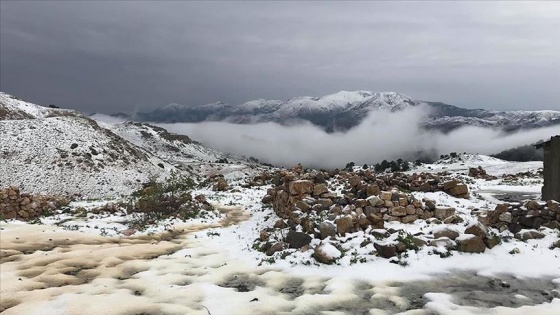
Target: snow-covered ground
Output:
{"points": [[69, 265]]}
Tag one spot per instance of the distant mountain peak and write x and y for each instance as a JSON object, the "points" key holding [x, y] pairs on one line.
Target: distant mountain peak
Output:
{"points": [[346, 109]]}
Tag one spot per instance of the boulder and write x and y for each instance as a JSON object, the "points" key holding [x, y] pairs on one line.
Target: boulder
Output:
{"points": [[344, 225], [385, 250], [326, 253], [477, 229], [528, 235], [398, 211], [319, 189], [409, 219], [326, 229], [446, 232], [471, 244], [443, 213], [276, 247], [300, 187], [297, 239]]}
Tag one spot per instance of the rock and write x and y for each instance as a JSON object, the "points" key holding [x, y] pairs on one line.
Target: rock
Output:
{"points": [[471, 244], [221, 185], [443, 213], [276, 247], [443, 242], [418, 241], [385, 250], [373, 200], [326, 229], [454, 219], [325, 203], [280, 224], [377, 222], [532, 205], [386, 195], [493, 241], [326, 253], [344, 225], [297, 239], [446, 232], [355, 181], [477, 229], [450, 184], [506, 217], [300, 187], [430, 204], [264, 235], [398, 211], [460, 190], [409, 219], [319, 189], [528, 235], [372, 190]]}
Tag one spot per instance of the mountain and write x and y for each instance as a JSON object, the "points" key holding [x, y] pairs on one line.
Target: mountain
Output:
{"points": [[58, 151], [346, 109]]}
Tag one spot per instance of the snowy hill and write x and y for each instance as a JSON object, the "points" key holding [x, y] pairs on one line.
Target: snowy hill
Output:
{"points": [[346, 109], [14, 108], [59, 151]]}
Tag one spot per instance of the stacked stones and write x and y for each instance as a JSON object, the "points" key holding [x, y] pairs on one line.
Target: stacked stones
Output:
{"points": [[16, 205], [361, 205], [531, 215], [424, 182]]}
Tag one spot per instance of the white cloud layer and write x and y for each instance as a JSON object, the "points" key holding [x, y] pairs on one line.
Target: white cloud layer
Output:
{"points": [[381, 136]]}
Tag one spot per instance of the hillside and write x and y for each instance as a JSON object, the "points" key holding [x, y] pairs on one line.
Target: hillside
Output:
{"points": [[59, 151]]}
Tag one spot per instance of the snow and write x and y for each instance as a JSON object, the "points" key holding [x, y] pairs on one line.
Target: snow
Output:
{"points": [[70, 264]]}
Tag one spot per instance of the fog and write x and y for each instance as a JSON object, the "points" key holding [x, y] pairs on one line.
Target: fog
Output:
{"points": [[382, 135]]}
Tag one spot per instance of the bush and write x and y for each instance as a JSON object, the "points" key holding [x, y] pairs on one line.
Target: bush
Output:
{"points": [[160, 200]]}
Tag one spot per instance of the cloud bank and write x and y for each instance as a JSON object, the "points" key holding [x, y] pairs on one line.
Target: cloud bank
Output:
{"points": [[382, 135]]}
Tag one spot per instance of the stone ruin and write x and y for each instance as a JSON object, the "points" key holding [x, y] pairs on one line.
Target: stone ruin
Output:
{"points": [[23, 206], [516, 217], [330, 204]]}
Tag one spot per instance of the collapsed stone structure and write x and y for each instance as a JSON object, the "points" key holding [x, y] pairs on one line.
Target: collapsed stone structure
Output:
{"points": [[17, 205], [366, 199], [551, 188], [530, 215]]}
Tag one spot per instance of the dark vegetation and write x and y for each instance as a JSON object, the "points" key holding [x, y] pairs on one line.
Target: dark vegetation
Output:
{"points": [[522, 153]]}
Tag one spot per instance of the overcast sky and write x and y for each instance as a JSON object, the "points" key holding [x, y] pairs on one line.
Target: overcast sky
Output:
{"points": [[128, 55]]}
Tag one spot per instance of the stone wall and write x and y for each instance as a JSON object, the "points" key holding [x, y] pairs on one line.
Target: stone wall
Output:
{"points": [[17, 205], [366, 200], [531, 215]]}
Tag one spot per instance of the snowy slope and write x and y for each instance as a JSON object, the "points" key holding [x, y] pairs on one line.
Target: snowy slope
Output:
{"points": [[177, 150], [14, 108], [58, 151], [72, 155]]}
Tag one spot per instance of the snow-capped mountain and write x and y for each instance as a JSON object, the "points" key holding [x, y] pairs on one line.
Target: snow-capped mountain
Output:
{"points": [[57, 151], [346, 109]]}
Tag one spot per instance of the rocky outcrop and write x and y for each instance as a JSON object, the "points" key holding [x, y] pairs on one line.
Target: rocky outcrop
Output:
{"points": [[23, 206]]}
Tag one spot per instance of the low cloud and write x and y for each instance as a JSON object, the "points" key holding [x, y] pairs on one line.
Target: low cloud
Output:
{"points": [[382, 135]]}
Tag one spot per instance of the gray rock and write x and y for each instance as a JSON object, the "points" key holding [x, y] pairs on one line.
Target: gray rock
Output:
{"points": [[326, 229], [297, 239]]}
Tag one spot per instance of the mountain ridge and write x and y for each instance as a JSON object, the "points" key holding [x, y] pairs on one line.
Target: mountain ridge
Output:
{"points": [[344, 110]]}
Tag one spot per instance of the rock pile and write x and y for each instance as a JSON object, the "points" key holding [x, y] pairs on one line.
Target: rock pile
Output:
{"points": [[515, 217], [479, 172], [365, 201], [23, 206]]}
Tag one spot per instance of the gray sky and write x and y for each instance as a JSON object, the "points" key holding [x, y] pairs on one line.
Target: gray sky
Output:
{"points": [[127, 55]]}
